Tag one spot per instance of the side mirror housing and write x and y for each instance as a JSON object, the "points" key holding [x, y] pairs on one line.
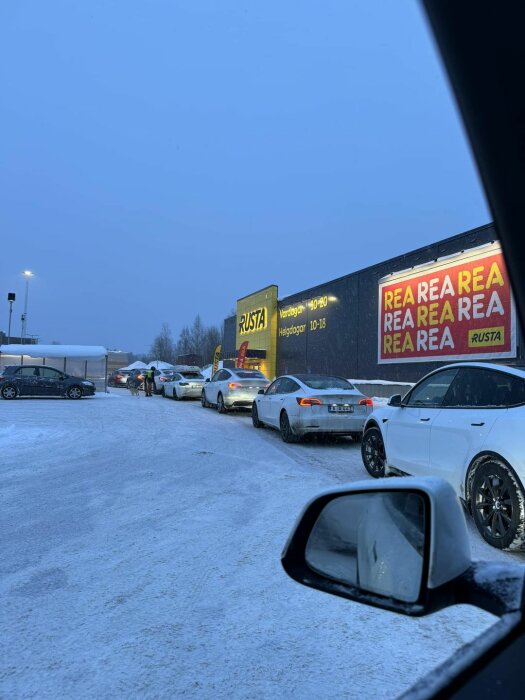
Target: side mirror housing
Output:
{"points": [[262, 391], [207, 380], [395, 400]]}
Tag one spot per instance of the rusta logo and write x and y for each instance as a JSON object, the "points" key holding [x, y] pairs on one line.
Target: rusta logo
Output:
{"points": [[253, 321]]}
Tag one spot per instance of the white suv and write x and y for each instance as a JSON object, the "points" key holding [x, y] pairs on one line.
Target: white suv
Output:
{"points": [[465, 423], [233, 388]]}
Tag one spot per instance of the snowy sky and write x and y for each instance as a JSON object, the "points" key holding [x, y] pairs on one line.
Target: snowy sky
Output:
{"points": [[161, 159]]}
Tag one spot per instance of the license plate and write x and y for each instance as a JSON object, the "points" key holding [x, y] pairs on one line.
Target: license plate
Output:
{"points": [[340, 408]]}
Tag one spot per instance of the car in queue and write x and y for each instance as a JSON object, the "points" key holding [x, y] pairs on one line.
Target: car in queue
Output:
{"points": [[233, 389], [463, 422], [38, 380], [302, 404], [119, 378], [160, 378], [185, 384]]}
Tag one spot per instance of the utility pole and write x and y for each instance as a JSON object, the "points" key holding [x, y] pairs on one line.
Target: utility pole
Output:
{"points": [[11, 296]]}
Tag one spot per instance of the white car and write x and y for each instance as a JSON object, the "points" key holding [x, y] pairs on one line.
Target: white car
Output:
{"points": [[465, 423], [186, 384], [233, 388], [297, 404]]}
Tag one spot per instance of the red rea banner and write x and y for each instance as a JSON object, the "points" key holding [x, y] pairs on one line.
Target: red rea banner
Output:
{"points": [[454, 309]]}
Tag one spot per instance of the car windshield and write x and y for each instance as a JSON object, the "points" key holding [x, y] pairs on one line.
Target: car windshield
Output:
{"points": [[317, 381]]}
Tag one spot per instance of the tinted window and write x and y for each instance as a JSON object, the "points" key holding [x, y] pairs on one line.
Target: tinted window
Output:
{"points": [[50, 373], [288, 386], [431, 391], [479, 387], [318, 381], [28, 372], [275, 387], [249, 374], [192, 375], [175, 377]]}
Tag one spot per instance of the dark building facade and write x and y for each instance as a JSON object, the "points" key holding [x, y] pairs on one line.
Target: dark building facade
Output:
{"points": [[403, 317]]}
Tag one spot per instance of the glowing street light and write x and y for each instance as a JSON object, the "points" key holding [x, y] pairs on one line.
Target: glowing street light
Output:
{"points": [[27, 274]]}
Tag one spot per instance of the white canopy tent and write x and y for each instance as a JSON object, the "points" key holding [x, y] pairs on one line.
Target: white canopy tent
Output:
{"points": [[87, 361], [135, 365], [159, 364]]}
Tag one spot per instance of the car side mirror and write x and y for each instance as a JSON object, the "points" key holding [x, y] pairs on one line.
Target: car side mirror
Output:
{"points": [[262, 391], [207, 380], [395, 400], [399, 546]]}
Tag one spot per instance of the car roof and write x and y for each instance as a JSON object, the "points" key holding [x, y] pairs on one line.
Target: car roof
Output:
{"points": [[517, 371]]}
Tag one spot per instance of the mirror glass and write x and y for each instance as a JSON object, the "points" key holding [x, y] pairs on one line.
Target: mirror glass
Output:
{"points": [[372, 541]]}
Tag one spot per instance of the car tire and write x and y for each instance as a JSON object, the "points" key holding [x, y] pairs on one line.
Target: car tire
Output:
{"points": [[373, 452], [204, 400], [255, 417], [221, 406], [497, 505], [287, 433], [9, 392], [74, 392], [175, 395]]}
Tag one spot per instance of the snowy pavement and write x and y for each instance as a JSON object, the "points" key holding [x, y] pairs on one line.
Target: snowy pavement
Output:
{"points": [[140, 558]]}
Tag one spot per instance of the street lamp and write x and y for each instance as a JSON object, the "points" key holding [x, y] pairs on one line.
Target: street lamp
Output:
{"points": [[27, 274]]}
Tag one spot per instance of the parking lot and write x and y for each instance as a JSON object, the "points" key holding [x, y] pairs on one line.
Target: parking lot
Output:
{"points": [[141, 545]]}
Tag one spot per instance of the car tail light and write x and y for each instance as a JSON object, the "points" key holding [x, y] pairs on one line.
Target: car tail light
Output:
{"points": [[308, 402], [366, 402], [234, 385], [163, 379]]}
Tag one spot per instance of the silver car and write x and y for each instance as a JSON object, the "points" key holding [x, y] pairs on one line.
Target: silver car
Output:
{"points": [[233, 388], [186, 384], [297, 404]]}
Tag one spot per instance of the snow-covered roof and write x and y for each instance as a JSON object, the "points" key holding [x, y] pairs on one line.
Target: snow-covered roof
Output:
{"points": [[159, 364], [135, 365], [79, 352]]}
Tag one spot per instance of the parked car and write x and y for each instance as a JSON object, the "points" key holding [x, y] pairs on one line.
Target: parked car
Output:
{"points": [[119, 377], [463, 422], [233, 388], [187, 384], [160, 377], [298, 404], [38, 380]]}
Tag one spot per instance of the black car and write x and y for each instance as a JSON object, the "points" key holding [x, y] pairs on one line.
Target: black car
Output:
{"points": [[37, 380]]}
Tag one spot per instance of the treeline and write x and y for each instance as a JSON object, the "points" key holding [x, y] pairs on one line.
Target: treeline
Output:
{"points": [[196, 339]]}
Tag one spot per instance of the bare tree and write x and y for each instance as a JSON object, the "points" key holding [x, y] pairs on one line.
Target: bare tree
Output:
{"points": [[163, 347]]}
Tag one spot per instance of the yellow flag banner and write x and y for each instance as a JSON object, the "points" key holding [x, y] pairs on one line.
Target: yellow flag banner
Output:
{"points": [[216, 358]]}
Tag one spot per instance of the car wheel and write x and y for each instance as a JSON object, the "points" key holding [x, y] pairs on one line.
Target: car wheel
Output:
{"points": [[286, 429], [161, 392], [204, 400], [175, 395], [221, 407], [255, 417], [74, 392], [497, 505], [373, 452], [9, 392]]}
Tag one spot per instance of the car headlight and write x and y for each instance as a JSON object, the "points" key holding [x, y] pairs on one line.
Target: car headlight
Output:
{"points": [[88, 383]]}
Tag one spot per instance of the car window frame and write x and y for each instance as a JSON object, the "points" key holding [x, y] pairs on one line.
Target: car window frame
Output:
{"points": [[406, 399]]}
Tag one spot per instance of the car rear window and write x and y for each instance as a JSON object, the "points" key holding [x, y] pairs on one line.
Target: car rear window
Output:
{"points": [[192, 375], [249, 374], [318, 381]]}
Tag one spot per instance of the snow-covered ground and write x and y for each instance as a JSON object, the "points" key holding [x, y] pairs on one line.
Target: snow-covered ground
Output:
{"points": [[140, 558]]}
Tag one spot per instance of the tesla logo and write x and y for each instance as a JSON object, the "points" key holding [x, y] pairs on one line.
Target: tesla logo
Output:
{"points": [[253, 321]]}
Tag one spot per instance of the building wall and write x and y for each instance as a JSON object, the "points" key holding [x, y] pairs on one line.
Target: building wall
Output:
{"points": [[333, 327]]}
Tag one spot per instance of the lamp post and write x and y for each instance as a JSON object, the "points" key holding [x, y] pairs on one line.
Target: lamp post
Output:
{"points": [[11, 296], [27, 274]]}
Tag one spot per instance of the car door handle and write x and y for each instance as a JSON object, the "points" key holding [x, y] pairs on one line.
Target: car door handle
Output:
{"points": [[478, 424], [424, 420]]}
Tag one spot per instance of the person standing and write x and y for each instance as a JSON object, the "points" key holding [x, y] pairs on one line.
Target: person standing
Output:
{"points": [[148, 382]]}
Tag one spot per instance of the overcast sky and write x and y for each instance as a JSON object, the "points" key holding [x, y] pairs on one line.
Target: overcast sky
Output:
{"points": [[160, 158]]}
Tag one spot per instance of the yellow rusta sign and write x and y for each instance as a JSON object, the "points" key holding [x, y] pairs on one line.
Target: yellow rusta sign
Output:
{"points": [[257, 326], [253, 321]]}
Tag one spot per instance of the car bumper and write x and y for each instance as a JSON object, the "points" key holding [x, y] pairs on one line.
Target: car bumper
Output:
{"points": [[190, 392], [336, 424], [241, 399]]}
